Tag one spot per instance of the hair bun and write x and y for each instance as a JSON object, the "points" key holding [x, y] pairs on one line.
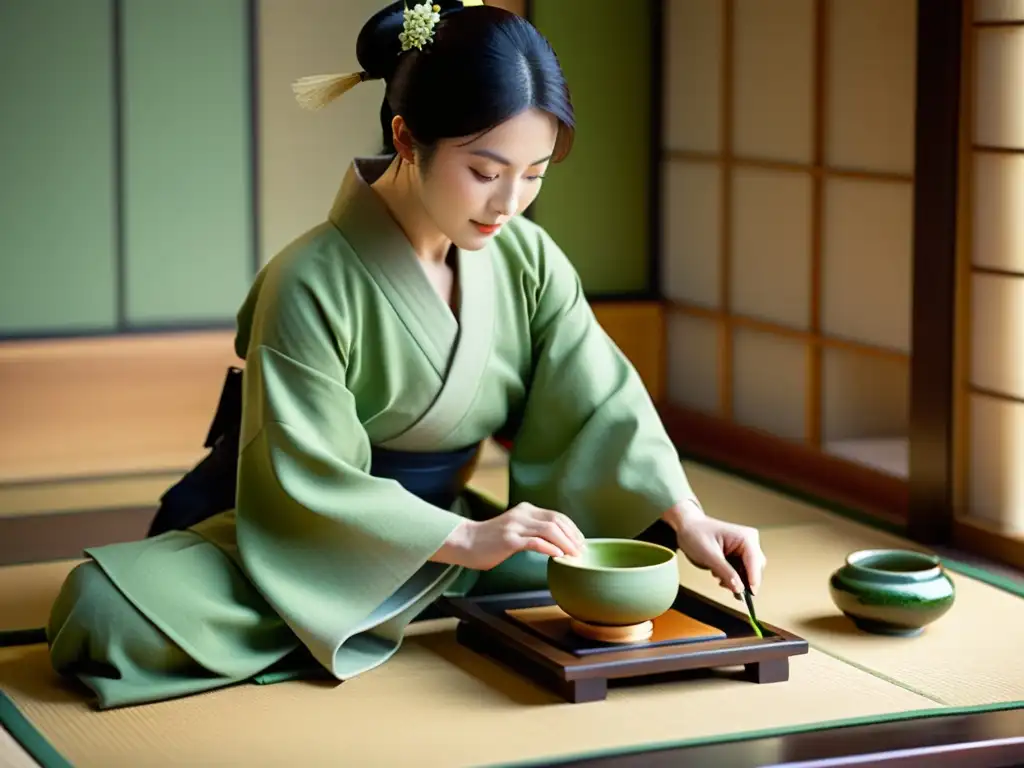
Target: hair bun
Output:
{"points": [[378, 45]]}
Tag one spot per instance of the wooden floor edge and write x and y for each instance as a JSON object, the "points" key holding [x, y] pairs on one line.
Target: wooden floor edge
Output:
{"points": [[779, 462], [65, 535], [978, 539]]}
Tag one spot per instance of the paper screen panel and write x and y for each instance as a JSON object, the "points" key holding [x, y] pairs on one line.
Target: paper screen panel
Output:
{"points": [[58, 221], [771, 246], [997, 334], [770, 383], [999, 10], [865, 408], [870, 84], [774, 79], [692, 262], [693, 74], [303, 156], [997, 454], [999, 87], [997, 224], [867, 261], [693, 352]]}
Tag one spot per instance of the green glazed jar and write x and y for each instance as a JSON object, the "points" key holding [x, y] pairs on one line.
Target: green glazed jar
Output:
{"points": [[892, 591]]}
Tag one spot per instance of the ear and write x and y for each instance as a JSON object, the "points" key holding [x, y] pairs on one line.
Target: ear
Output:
{"points": [[402, 138]]}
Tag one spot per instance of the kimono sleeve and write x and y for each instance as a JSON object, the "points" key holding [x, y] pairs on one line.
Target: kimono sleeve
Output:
{"points": [[590, 443], [325, 542]]}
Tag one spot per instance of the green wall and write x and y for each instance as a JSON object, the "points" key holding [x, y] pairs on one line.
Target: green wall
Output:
{"points": [[56, 167], [187, 160], [125, 164], [126, 160], [596, 203]]}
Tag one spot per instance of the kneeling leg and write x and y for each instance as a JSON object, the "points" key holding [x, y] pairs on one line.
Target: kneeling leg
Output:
{"points": [[97, 636]]}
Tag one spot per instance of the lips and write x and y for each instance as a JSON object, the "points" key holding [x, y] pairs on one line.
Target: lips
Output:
{"points": [[487, 229]]}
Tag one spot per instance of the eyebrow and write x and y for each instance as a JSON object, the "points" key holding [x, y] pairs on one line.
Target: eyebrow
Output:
{"points": [[499, 159]]}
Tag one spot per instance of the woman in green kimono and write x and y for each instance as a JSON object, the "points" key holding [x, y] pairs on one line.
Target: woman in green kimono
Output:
{"points": [[423, 316]]}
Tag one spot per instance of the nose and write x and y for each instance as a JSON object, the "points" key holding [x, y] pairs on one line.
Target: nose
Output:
{"points": [[505, 204]]}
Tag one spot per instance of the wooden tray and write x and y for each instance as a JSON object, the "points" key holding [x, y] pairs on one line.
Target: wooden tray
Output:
{"points": [[582, 674]]}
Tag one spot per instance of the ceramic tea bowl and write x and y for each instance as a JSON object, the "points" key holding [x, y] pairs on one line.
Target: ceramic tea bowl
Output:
{"points": [[615, 582], [892, 591]]}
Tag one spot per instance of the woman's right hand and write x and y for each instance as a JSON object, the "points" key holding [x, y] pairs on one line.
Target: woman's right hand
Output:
{"points": [[482, 545]]}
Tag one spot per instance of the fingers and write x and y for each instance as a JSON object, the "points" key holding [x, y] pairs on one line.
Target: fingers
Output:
{"points": [[754, 561], [543, 546], [553, 532], [725, 573], [745, 553], [568, 527], [555, 528]]}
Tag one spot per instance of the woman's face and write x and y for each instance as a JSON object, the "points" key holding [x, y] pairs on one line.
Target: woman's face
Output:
{"points": [[472, 187]]}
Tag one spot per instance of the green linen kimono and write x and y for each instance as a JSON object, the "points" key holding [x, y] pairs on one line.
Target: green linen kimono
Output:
{"points": [[322, 565]]}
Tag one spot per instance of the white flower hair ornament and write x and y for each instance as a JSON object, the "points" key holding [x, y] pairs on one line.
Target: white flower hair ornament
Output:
{"points": [[317, 91], [418, 26]]}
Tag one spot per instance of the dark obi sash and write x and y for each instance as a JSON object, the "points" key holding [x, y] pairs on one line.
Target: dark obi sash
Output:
{"points": [[210, 487]]}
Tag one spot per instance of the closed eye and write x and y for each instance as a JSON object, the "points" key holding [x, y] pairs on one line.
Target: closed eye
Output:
{"points": [[485, 178]]}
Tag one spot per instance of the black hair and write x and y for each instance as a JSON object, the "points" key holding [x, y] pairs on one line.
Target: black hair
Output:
{"points": [[485, 65]]}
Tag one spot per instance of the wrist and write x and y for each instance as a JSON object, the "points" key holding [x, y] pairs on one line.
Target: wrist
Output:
{"points": [[680, 515], [455, 548]]}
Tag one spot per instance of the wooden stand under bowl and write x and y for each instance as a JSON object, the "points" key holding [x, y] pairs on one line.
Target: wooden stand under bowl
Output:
{"points": [[528, 633]]}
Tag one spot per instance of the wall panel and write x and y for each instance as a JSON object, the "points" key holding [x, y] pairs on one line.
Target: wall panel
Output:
{"points": [[691, 260], [997, 211], [999, 10], [870, 84], [693, 74], [997, 334], [771, 246], [58, 226], [866, 262], [770, 383], [187, 160], [991, 398], [693, 362], [996, 456], [794, 167], [866, 409], [596, 203], [999, 84], [303, 155], [774, 67]]}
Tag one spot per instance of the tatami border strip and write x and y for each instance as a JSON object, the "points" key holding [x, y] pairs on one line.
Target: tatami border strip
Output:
{"points": [[28, 736]]}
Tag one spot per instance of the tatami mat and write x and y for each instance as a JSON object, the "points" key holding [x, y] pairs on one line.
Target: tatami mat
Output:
{"points": [[970, 656], [405, 709], [418, 704], [28, 591]]}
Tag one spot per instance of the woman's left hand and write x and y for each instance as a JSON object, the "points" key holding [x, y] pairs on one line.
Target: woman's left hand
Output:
{"points": [[707, 543]]}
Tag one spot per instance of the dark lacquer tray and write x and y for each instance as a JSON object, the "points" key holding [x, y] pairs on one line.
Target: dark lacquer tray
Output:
{"points": [[579, 670]]}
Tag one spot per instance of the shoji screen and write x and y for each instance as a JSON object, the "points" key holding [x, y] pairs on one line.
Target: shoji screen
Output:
{"points": [[787, 203], [993, 433]]}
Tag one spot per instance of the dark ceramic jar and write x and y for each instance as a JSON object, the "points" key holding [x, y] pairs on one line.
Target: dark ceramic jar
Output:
{"points": [[892, 591]]}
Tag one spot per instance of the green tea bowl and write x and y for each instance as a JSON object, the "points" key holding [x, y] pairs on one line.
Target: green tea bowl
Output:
{"points": [[615, 582], [892, 591]]}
